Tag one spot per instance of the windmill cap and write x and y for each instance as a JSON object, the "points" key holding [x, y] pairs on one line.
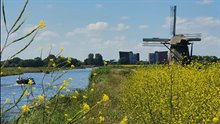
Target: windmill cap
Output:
{"points": [[178, 39]]}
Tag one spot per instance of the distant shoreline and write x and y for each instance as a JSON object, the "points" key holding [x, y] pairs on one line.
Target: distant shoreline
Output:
{"points": [[8, 71]]}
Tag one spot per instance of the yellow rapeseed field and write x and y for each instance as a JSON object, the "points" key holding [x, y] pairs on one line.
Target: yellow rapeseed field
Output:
{"points": [[173, 94]]}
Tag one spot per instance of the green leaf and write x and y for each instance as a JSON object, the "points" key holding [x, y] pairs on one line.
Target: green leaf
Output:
{"points": [[19, 25], [20, 15], [3, 11], [25, 46], [23, 37]]}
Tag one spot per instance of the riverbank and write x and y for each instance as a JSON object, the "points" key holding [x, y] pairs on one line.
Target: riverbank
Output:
{"points": [[6, 71], [104, 80]]}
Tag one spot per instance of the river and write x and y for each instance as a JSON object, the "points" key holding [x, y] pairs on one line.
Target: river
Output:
{"points": [[10, 89]]}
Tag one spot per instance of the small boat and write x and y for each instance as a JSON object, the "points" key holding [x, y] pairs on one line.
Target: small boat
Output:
{"points": [[21, 80]]}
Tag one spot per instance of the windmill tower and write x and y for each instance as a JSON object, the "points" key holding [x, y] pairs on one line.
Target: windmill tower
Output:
{"points": [[177, 44]]}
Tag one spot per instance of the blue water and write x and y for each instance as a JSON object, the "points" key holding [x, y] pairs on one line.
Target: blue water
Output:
{"points": [[10, 89]]}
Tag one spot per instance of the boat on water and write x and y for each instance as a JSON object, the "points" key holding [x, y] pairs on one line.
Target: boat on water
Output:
{"points": [[24, 80]]}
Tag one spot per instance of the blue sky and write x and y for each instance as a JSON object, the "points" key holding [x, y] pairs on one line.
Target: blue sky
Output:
{"points": [[106, 27]]}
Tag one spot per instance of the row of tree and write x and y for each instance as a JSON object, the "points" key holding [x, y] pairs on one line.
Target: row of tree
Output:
{"points": [[59, 61], [94, 60]]}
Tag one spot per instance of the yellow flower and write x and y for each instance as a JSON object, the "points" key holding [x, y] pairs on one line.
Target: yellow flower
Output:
{"points": [[30, 82], [1, 73], [51, 60], [124, 120], [69, 119], [92, 90], [101, 119], [62, 57], [100, 112], [40, 97], [61, 95], [62, 88], [72, 66], [25, 108], [41, 24], [94, 74], [70, 79], [69, 60], [61, 49], [84, 97], [26, 93], [7, 100], [86, 107], [215, 120], [76, 92], [74, 97], [65, 83], [37, 104], [54, 65], [54, 87], [105, 98]]}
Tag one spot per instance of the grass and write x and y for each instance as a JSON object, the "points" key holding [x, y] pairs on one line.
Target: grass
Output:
{"points": [[143, 94]]}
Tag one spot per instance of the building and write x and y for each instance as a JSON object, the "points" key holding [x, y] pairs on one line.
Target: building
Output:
{"points": [[128, 57], [158, 57]]}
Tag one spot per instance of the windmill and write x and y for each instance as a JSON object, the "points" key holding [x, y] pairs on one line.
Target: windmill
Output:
{"points": [[177, 44]]}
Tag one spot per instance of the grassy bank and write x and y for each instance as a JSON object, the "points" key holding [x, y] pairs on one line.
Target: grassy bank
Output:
{"points": [[6, 71], [105, 80], [16, 71], [139, 94]]}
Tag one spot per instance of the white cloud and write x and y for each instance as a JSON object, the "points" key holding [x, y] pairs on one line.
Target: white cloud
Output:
{"points": [[97, 26], [124, 18], [46, 35], [207, 21], [86, 30], [205, 2], [197, 24], [143, 26], [121, 26], [208, 45], [99, 6]]}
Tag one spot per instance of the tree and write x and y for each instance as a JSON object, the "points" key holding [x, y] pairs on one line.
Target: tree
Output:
{"points": [[91, 59], [98, 60], [13, 62], [47, 60], [38, 62]]}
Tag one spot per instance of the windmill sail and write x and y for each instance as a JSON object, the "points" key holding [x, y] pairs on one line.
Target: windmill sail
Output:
{"points": [[173, 20]]}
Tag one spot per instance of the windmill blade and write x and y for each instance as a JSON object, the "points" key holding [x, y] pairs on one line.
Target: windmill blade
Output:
{"points": [[155, 44], [156, 39], [173, 20], [193, 37]]}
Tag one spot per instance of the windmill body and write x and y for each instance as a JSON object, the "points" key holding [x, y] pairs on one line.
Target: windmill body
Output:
{"points": [[178, 44]]}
